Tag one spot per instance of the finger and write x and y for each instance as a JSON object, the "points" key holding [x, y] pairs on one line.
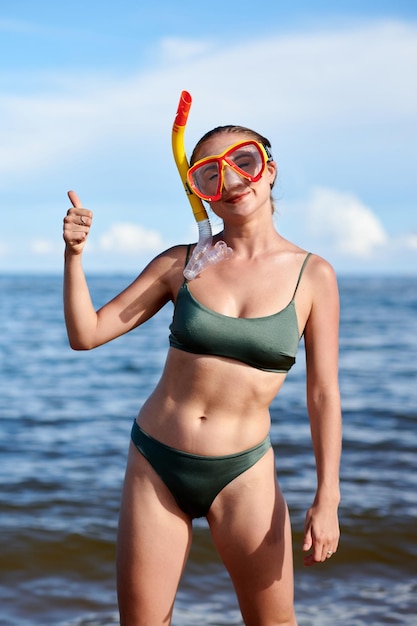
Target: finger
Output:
{"points": [[319, 553], [330, 552], [307, 541], [312, 558], [75, 201]]}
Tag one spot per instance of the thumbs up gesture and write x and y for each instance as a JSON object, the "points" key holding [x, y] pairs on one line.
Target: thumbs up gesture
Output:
{"points": [[77, 223]]}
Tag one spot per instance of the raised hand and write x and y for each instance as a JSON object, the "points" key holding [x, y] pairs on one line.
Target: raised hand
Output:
{"points": [[77, 223]]}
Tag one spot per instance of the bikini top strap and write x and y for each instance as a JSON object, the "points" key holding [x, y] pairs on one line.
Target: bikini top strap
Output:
{"points": [[187, 255], [301, 273], [187, 258]]}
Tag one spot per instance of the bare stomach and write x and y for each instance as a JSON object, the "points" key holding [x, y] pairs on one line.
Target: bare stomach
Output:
{"points": [[209, 405]]}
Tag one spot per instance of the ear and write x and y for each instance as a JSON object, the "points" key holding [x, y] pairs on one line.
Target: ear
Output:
{"points": [[272, 172]]}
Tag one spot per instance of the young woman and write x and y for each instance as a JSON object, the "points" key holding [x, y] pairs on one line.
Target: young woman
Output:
{"points": [[200, 444]]}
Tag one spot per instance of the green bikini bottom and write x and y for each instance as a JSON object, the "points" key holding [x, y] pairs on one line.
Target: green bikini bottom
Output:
{"points": [[195, 480]]}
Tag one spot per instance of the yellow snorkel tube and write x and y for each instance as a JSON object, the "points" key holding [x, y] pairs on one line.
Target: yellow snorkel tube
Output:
{"points": [[204, 253]]}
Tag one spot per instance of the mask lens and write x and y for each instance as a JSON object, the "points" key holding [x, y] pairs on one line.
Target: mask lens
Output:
{"points": [[206, 178], [247, 160]]}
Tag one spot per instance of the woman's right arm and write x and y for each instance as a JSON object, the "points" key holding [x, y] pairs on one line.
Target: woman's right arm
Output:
{"points": [[88, 328]]}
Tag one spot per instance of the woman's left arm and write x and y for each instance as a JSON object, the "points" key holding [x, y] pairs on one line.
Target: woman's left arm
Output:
{"points": [[321, 334]]}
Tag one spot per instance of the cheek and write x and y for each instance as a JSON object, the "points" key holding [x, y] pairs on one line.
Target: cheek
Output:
{"points": [[263, 187]]}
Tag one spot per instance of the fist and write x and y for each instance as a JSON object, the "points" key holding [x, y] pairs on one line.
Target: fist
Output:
{"points": [[77, 224]]}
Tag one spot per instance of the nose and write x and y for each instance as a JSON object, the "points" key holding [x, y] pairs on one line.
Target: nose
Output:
{"points": [[231, 178]]}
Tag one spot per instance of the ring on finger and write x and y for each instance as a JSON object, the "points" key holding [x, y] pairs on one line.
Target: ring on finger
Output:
{"points": [[329, 552], [82, 221]]}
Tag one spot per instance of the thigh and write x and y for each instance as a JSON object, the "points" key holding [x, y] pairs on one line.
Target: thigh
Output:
{"points": [[250, 526], [153, 543]]}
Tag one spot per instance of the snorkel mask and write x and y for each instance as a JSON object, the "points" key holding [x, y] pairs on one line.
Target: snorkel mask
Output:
{"points": [[204, 254], [246, 159]]}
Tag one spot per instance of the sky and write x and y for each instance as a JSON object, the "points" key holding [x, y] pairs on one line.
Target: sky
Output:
{"points": [[89, 92]]}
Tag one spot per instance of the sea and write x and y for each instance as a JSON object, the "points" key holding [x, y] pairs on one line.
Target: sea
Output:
{"points": [[65, 420]]}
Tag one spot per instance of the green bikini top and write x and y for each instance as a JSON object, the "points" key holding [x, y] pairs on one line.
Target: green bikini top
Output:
{"points": [[268, 343]]}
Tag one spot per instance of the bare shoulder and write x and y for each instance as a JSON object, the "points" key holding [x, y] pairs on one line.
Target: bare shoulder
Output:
{"points": [[170, 260], [165, 269], [321, 281], [319, 270]]}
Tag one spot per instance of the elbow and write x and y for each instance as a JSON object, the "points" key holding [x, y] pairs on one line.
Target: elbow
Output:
{"points": [[319, 402], [79, 345], [324, 397]]}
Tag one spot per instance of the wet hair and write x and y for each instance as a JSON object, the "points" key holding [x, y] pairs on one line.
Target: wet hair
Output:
{"points": [[237, 130]]}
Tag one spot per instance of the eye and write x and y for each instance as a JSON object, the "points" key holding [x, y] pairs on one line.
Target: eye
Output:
{"points": [[206, 178], [246, 161], [208, 173]]}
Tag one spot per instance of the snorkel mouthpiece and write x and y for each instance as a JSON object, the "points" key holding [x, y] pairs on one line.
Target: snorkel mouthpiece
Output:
{"points": [[204, 253]]}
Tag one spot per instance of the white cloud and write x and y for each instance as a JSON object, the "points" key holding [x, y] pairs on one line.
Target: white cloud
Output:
{"points": [[130, 239], [406, 242], [43, 247], [344, 223], [357, 76], [340, 106]]}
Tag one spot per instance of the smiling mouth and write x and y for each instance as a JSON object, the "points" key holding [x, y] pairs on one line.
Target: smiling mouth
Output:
{"points": [[236, 197]]}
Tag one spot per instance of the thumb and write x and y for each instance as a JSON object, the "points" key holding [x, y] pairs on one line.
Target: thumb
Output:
{"points": [[307, 541], [75, 201]]}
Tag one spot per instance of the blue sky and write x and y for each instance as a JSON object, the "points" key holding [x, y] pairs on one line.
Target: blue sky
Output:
{"points": [[88, 94]]}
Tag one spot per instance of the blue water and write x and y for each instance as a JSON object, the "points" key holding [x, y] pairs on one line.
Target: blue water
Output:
{"points": [[65, 420]]}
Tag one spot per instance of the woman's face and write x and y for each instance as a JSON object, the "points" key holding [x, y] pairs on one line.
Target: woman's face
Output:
{"points": [[237, 191]]}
